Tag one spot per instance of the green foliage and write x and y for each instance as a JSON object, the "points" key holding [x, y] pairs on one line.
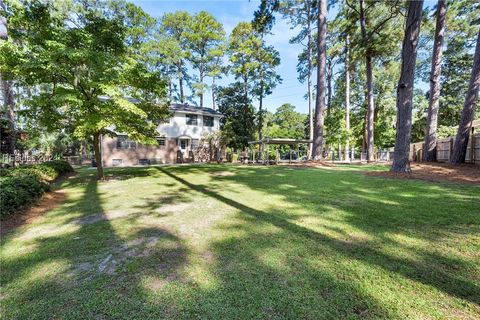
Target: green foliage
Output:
{"points": [[17, 191], [462, 27], [238, 122], [285, 123], [169, 51], [23, 185], [253, 62], [85, 70], [204, 37]]}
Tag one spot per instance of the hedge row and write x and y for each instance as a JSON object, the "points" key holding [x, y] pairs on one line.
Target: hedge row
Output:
{"points": [[23, 185]]}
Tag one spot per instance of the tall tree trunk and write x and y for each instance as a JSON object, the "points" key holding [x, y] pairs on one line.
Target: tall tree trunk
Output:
{"points": [[468, 112], [98, 155], [321, 69], [170, 89], [347, 97], [369, 85], [329, 86], [7, 91], [401, 162], [213, 93], [201, 91], [309, 80], [370, 110], [180, 83], [260, 122], [364, 137], [430, 147]]}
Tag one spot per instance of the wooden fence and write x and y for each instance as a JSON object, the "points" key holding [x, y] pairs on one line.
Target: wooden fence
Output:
{"points": [[445, 149]]}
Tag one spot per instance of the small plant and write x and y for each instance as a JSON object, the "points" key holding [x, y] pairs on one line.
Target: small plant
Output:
{"points": [[23, 185]]}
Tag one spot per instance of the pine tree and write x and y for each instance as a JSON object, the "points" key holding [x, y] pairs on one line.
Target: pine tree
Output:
{"points": [[405, 88]]}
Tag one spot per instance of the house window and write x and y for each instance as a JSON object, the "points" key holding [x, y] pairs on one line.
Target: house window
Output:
{"points": [[117, 162], [124, 143], [160, 141], [207, 121], [183, 144], [192, 119], [143, 162]]}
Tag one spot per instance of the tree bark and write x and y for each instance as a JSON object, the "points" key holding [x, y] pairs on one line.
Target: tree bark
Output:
{"points": [[329, 86], [321, 68], [309, 79], [347, 97], [98, 156], [370, 110], [201, 92], [430, 146], [260, 122], [369, 124], [180, 83], [170, 89], [7, 91], [401, 162], [213, 93], [468, 112]]}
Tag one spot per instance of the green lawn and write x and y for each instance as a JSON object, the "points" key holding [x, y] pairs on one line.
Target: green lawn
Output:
{"points": [[243, 242]]}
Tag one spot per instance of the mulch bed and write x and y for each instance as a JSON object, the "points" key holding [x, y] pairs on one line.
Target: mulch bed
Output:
{"points": [[437, 172], [48, 201]]}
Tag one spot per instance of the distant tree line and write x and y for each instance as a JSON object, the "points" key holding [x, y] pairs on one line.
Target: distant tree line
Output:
{"points": [[365, 93]]}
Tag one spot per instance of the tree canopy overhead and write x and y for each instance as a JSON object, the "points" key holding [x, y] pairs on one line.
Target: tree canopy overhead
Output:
{"points": [[80, 62]]}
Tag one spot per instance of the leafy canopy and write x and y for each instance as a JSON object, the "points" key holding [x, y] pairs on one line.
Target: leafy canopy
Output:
{"points": [[81, 62]]}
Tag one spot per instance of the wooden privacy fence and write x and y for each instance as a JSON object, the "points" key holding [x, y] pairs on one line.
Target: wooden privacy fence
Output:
{"points": [[445, 149]]}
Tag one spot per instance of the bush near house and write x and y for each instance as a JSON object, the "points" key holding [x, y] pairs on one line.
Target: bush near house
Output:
{"points": [[22, 185]]}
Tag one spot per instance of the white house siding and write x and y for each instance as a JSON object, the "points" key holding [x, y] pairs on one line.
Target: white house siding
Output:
{"points": [[173, 131], [177, 126]]}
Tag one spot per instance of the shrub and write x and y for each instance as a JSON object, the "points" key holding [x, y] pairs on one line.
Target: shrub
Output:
{"points": [[23, 185]]}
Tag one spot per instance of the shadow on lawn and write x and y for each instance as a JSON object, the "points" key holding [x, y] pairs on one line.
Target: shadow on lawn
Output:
{"points": [[93, 272], [444, 273], [89, 272]]}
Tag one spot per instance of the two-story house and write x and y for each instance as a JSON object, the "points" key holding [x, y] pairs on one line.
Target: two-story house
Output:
{"points": [[176, 139]]}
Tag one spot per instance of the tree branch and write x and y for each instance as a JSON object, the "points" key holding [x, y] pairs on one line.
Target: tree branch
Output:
{"points": [[352, 7], [382, 23]]}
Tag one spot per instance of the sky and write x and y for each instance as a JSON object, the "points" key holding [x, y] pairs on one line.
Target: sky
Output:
{"points": [[230, 13]]}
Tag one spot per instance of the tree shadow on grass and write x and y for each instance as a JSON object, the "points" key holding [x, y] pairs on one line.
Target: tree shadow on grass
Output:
{"points": [[426, 271], [266, 265], [76, 269]]}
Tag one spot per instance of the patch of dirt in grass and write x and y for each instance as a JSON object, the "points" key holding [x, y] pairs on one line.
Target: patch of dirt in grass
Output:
{"points": [[109, 262], [437, 172], [208, 256], [175, 207], [223, 174], [48, 202], [96, 217]]}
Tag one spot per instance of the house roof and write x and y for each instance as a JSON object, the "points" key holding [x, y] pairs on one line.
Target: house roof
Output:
{"points": [[192, 109], [177, 107]]}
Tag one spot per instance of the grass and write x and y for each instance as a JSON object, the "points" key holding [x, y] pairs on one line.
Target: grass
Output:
{"points": [[219, 242]]}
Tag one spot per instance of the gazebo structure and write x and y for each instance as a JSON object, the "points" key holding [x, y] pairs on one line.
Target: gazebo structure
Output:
{"points": [[266, 142]]}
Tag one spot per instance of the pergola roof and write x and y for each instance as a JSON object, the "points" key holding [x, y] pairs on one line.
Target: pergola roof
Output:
{"points": [[279, 141]]}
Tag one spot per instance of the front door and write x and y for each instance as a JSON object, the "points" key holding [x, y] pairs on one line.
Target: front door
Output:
{"points": [[184, 144]]}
